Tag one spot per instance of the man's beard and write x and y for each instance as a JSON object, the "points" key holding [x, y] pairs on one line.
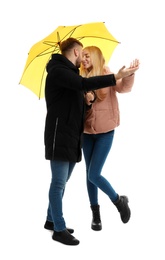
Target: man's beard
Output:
{"points": [[78, 64]]}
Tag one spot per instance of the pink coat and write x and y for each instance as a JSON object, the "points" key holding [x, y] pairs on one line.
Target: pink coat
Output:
{"points": [[104, 116]]}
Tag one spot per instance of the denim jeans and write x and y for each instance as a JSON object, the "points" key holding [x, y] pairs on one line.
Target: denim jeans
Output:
{"points": [[95, 149], [61, 172]]}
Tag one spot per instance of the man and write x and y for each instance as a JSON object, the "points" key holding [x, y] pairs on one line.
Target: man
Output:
{"points": [[64, 94]]}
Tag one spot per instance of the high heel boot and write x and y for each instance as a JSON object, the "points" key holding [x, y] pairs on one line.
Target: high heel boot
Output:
{"points": [[96, 220], [122, 205]]}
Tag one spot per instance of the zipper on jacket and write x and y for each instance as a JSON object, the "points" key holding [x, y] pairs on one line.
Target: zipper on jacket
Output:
{"points": [[54, 139]]}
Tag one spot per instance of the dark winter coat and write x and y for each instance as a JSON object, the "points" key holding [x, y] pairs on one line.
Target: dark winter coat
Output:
{"points": [[64, 95]]}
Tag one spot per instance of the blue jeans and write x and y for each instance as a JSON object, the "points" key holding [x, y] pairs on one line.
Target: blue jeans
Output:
{"points": [[95, 149], [61, 172]]}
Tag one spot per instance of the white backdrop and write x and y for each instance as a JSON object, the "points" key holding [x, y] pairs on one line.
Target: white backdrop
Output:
{"points": [[135, 165]]}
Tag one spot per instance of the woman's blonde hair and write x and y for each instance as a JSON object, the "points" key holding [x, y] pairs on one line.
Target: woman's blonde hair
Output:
{"points": [[98, 67]]}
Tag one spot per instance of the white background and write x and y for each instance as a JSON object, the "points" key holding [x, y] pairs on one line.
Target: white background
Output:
{"points": [[135, 166]]}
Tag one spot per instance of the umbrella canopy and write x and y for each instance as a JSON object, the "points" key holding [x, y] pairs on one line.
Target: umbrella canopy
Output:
{"points": [[34, 73]]}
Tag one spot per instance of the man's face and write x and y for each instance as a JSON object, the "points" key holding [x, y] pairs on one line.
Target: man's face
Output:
{"points": [[79, 56]]}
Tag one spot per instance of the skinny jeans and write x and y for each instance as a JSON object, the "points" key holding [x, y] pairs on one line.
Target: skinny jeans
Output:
{"points": [[61, 172], [95, 149]]}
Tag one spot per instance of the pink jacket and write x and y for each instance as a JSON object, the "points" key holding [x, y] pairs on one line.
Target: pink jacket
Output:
{"points": [[104, 116]]}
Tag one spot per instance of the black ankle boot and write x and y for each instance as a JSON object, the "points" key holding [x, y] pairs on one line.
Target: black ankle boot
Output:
{"points": [[96, 221], [49, 225], [65, 237], [122, 205]]}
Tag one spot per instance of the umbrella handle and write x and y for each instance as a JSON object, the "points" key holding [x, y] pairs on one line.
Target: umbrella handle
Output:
{"points": [[58, 38]]}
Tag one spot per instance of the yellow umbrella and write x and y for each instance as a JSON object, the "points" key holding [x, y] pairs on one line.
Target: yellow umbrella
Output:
{"points": [[34, 73]]}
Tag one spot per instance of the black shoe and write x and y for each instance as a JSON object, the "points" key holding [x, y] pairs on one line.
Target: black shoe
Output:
{"points": [[65, 237], [96, 221], [49, 225], [122, 205]]}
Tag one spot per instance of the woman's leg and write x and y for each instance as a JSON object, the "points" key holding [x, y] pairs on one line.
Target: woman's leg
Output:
{"points": [[101, 148], [88, 146], [95, 154]]}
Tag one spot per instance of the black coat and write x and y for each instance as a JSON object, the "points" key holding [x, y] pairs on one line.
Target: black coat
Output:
{"points": [[64, 95]]}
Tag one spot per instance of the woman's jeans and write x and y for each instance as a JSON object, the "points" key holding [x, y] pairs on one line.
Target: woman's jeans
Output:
{"points": [[96, 148], [61, 172]]}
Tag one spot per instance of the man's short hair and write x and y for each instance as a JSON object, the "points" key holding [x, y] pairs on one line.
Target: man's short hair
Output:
{"points": [[69, 44]]}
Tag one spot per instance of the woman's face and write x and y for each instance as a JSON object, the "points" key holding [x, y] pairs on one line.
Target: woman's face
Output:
{"points": [[86, 60]]}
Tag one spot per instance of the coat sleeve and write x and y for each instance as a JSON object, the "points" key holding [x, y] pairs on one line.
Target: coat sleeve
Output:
{"points": [[122, 85], [125, 85], [69, 79], [97, 82]]}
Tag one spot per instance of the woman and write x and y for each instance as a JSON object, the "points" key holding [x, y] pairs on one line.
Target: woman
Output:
{"points": [[100, 123]]}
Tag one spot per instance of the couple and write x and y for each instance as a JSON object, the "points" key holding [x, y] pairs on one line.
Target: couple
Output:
{"points": [[71, 99]]}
